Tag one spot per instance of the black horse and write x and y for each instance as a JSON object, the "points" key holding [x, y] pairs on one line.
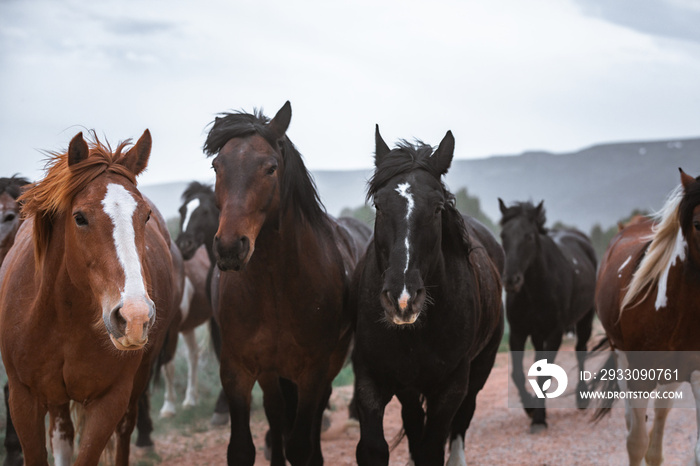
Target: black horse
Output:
{"points": [[429, 311], [550, 283]]}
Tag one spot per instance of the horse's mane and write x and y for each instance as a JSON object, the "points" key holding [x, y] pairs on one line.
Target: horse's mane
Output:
{"points": [[48, 199], [13, 185], [298, 189], [529, 210], [662, 250], [407, 157], [195, 188]]}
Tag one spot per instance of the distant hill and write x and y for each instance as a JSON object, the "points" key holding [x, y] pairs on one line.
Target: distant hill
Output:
{"points": [[599, 184]]}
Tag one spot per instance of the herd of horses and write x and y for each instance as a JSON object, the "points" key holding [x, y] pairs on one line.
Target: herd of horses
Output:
{"points": [[93, 295]]}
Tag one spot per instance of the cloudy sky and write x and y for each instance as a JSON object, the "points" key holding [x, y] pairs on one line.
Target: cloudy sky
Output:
{"points": [[504, 75]]}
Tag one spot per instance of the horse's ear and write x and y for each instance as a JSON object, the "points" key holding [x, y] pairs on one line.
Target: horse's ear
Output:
{"points": [[279, 124], [380, 147], [137, 157], [502, 206], [77, 149], [540, 206], [686, 179], [442, 158]]}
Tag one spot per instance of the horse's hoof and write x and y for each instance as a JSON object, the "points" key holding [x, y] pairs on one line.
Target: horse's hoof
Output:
{"points": [[219, 419], [143, 449], [537, 428], [165, 414]]}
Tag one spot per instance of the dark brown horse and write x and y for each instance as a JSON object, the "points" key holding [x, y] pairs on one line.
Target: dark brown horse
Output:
{"points": [[647, 298], [88, 291], [10, 190], [283, 288]]}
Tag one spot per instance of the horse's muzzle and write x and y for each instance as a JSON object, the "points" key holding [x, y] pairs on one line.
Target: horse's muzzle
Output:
{"points": [[233, 256], [405, 309], [129, 322]]}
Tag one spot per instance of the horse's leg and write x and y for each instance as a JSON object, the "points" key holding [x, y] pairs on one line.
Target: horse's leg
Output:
{"points": [[539, 415], [13, 449], [695, 384], [637, 437], [124, 429], [583, 333], [221, 408], [662, 407], [191, 394], [238, 385], [62, 434], [480, 369], [170, 397], [413, 418], [370, 400], [443, 405], [273, 402], [516, 341], [301, 446], [29, 417], [102, 415], [144, 423]]}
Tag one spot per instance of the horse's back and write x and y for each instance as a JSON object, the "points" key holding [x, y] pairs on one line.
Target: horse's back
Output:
{"points": [[619, 263], [574, 244], [483, 235], [353, 236]]}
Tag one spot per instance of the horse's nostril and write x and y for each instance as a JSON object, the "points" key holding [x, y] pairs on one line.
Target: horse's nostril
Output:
{"points": [[117, 320]]}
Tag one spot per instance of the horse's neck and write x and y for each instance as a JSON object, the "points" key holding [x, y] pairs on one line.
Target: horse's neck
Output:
{"points": [[549, 260]]}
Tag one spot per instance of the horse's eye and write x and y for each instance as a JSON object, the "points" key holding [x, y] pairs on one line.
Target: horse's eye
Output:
{"points": [[439, 209], [272, 170], [80, 219], [9, 217], [149, 217], [696, 225]]}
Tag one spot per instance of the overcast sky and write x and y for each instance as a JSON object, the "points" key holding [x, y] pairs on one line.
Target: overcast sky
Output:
{"points": [[504, 75]]}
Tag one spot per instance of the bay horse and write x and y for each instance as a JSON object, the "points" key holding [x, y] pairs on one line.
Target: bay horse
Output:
{"points": [[88, 291], [647, 299], [282, 294], [550, 283], [429, 315]]}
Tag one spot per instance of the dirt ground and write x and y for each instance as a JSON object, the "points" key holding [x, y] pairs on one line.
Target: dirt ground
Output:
{"points": [[498, 435]]}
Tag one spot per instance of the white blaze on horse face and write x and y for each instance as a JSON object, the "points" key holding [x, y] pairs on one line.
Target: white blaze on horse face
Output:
{"points": [[402, 189], [120, 205], [191, 207], [678, 253]]}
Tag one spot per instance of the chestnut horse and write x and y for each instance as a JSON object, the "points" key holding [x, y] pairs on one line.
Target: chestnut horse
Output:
{"points": [[88, 291], [283, 287], [429, 311], [647, 298]]}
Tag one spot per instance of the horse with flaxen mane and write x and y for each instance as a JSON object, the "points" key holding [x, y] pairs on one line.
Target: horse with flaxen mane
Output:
{"points": [[647, 299], [429, 314], [282, 293], [550, 284], [88, 291]]}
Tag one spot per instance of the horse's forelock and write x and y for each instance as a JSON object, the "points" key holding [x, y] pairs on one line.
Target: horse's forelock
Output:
{"points": [[53, 196], [405, 157]]}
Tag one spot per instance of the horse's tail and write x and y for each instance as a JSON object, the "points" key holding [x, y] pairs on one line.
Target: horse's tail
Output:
{"points": [[608, 385], [77, 414]]}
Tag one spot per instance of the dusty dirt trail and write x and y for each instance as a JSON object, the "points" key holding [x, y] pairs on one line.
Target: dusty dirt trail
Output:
{"points": [[498, 435]]}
